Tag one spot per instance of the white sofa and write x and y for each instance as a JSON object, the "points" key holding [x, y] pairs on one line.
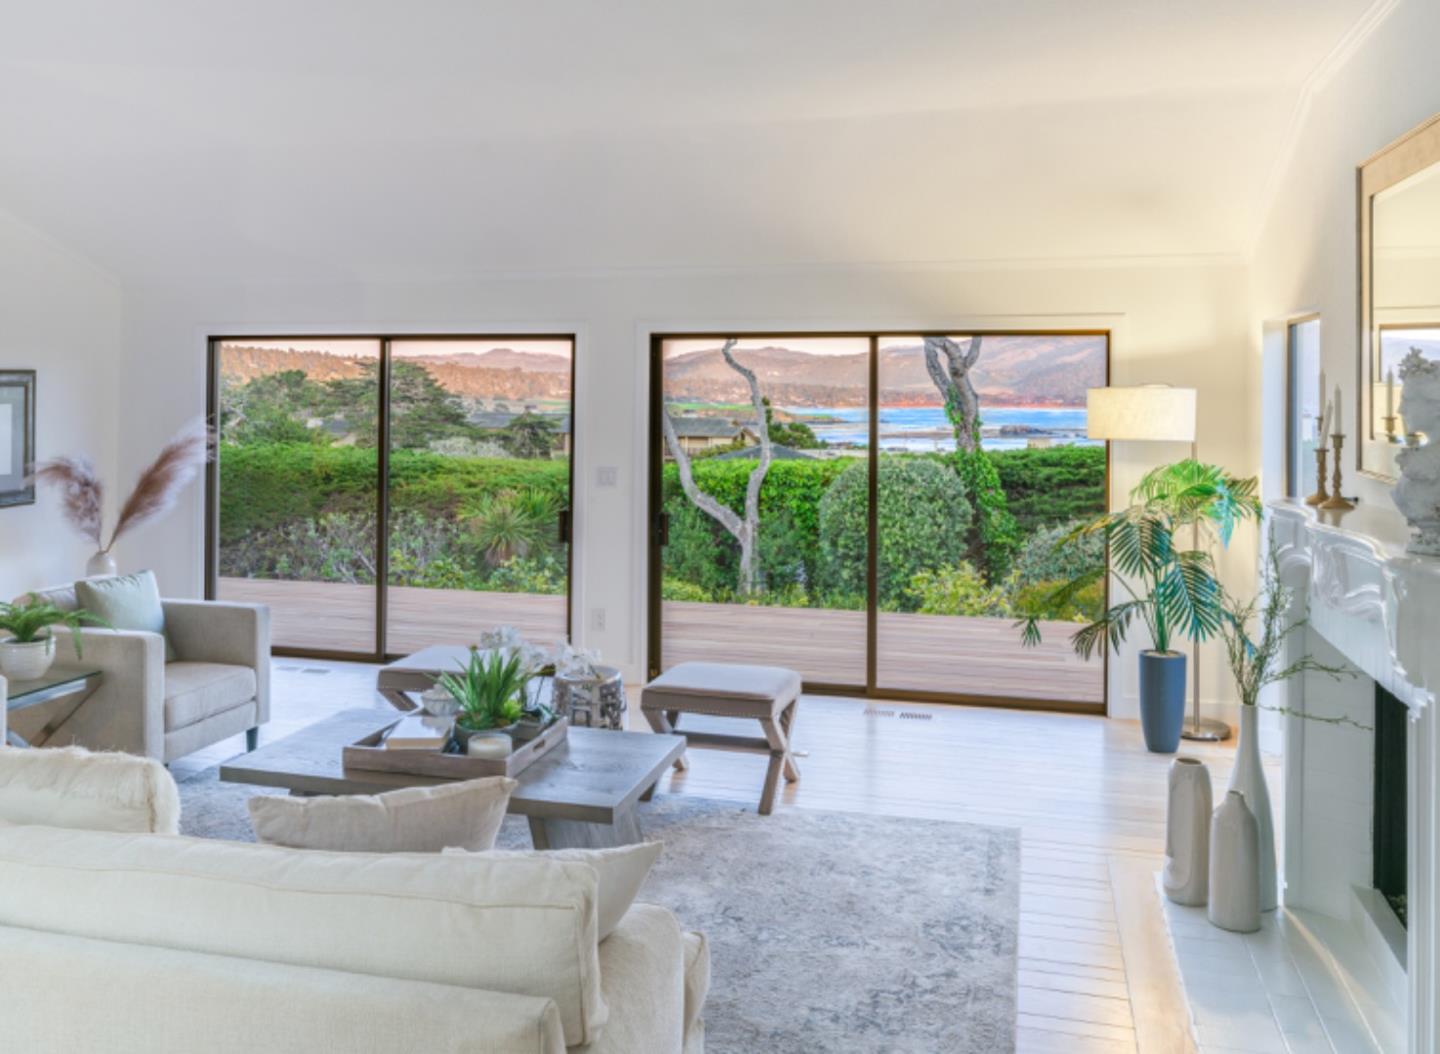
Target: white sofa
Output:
{"points": [[140, 943], [219, 685]]}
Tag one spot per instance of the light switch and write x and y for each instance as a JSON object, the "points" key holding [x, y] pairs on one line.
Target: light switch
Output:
{"points": [[607, 476]]}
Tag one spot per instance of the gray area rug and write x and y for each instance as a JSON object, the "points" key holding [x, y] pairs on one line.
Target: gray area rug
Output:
{"points": [[828, 932]]}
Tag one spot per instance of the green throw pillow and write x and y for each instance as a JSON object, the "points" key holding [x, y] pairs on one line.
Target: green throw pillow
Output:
{"points": [[126, 602]]}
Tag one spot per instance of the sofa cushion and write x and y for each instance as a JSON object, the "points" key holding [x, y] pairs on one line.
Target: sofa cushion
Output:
{"points": [[126, 602], [642, 970], [71, 787], [524, 926], [63, 597], [622, 871], [411, 820], [197, 690]]}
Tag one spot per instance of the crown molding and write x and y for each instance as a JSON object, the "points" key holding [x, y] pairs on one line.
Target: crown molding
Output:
{"points": [[1324, 72]]}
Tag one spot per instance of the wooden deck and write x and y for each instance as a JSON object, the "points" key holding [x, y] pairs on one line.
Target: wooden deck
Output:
{"points": [[930, 653]]}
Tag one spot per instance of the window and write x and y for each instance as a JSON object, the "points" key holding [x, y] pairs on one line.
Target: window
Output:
{"points": [[864, 564], [1303, 406], [382, 494]]}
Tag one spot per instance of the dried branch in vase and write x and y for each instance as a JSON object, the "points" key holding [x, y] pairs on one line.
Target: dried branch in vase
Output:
{"points": [[155, 493], [81, 493]]}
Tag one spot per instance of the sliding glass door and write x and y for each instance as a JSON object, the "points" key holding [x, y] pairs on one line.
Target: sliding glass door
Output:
{"points": [[296, 524], [915, 488], [479, 489], [383, 494], [764, 526]]}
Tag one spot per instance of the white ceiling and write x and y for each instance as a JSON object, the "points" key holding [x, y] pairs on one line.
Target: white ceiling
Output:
{"points": [[369, 140]]}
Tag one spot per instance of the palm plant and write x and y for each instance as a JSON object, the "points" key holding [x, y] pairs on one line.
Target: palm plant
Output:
{"points": [[511, 524], [29, 621], [490, 688], [1173, 590]]}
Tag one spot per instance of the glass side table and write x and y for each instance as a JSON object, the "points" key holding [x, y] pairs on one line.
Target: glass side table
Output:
{"points": [[71, 685]]}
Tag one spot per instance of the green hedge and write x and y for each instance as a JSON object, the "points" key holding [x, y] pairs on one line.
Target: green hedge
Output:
{"points": [[265, 484], [1056, 485]]}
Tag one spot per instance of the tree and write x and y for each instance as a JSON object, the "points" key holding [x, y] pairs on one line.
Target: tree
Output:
{"points": [[529, 437], [272, 408], [794, 434], [994, 534], [746, 530], [421, 410]]}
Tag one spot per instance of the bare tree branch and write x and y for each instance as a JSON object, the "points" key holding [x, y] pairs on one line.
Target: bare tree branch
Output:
{"points": [[744, 531], [952, 378]]}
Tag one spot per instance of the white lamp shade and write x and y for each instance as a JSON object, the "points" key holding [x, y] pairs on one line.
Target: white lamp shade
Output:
{"points": [[1154, 412]]}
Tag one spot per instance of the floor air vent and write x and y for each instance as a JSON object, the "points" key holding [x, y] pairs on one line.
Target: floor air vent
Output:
{"points": [[314, 669], [871, 711], [916, 715]]}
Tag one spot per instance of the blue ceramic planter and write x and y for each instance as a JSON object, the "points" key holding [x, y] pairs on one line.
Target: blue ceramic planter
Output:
{"points": [[1162, 700]]}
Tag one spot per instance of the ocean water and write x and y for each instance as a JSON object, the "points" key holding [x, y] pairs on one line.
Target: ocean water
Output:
{"points": [[925, 428]]}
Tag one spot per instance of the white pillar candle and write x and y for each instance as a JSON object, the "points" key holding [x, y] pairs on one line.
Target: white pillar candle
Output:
{"points": [[1390, 393], [1337, 426], [489, 745]]}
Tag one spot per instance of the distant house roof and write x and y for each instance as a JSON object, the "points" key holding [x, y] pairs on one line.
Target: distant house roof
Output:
{"points": [[706, 428], [777, 452]]}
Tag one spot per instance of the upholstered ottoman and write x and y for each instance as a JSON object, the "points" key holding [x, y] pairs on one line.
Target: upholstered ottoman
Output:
{"points": [[767, 694]]}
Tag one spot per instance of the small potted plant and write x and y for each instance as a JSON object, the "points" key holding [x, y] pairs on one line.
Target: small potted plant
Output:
{"points": [[490, 688], [28, 651]]}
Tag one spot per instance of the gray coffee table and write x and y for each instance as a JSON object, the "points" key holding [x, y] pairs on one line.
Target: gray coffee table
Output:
{"points": [[582, 794]]}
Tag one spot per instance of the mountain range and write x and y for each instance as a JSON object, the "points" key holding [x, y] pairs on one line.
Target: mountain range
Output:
{"points": [[500, 373], [1047, 370], [1011, 371]]}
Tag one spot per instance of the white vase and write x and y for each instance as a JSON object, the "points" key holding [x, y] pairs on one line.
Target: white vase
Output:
{"points": [[1248, 777], [1234, 867], [26, 662], [1187, 832], [101, 565]]}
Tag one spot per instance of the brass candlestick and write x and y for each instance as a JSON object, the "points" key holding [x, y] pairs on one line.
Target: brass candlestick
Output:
{"points": [[1336, 500], [1321, 494], [1390, 420]]}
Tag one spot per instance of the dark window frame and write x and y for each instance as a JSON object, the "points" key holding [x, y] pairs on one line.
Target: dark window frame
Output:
{"points": [[871, 689], [380, 653]]}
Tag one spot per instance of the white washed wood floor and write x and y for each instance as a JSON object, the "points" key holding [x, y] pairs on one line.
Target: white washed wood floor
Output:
{"points": [[1095, 967]]}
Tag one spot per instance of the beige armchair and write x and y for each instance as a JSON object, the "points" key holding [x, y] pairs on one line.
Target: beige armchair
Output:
{"points": [[218, 686]]}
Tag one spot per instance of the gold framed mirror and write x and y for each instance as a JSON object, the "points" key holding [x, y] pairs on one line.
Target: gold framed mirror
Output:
{"points": [[1399, 212]]}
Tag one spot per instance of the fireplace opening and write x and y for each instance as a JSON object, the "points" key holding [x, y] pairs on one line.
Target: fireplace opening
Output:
{"points": [[1392, 719]]}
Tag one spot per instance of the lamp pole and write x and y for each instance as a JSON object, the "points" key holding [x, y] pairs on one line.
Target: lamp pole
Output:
{"points": [[1200, 729]]}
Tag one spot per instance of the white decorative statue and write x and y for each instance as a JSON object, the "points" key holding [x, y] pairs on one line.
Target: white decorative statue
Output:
{"points": [[1417, 494]]}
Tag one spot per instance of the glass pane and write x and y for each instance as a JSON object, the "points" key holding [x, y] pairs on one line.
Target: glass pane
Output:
{"points": [[793, 594], [298, 490], [479, 485], [950, 577], [1305, 399]]}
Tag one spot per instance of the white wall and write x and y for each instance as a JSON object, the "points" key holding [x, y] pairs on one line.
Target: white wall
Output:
{"points": [[1174, 321], [61, 317], [1305, 259]]}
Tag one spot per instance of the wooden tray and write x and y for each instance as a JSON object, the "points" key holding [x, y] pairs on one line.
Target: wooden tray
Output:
{"points": [[368, 753]]}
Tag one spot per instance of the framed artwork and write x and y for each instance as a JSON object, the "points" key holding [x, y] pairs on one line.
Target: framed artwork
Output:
{"points": [[17, 436]]}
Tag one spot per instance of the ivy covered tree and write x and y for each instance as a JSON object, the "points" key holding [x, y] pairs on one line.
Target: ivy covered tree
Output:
{"points": [[271, 408], [421, 410], [994, 535], [529, 436]]}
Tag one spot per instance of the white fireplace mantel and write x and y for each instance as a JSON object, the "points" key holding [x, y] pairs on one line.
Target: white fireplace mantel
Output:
{"points": [[1379, 608]]}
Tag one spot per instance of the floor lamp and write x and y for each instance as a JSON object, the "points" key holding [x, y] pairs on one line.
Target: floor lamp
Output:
{"points": [[1155, 413]]}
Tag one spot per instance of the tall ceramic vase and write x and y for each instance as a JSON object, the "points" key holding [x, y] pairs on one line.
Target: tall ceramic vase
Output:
{"points": [[1234, 867], [1162, 699], [1187, 833], [1248, 777]]}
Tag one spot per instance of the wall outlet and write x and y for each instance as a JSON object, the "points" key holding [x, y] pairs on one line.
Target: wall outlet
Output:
{"points": [[607, 476], [597, 619]]}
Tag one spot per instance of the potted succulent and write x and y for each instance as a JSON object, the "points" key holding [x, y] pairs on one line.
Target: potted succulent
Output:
{"points": [[490, 688], [1174, 591], [28, 651]]}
